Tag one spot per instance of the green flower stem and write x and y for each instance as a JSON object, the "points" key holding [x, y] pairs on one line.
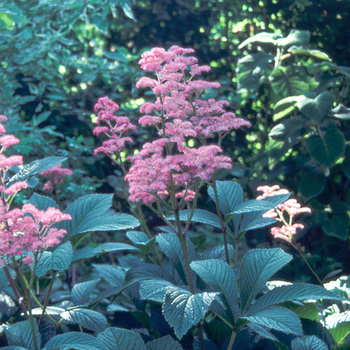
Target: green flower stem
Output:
{"points": [[26, 292], [232, 340], [295, 246], [46, 301]]}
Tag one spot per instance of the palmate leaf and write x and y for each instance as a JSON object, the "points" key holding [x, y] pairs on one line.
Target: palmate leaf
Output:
{"points": [[60, 259], [87, 318], [120, 339], [20, 334], [182, 309], [230, 194], [293, 292], [277, 318], [308, 343], [164, 343], [91, 213], [75, 340], [220, 277], [258, 265]]}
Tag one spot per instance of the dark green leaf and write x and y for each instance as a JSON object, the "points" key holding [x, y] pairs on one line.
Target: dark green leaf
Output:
{"points": [[72, 339], [120, 339], [311, 185], [199, 215], [113, 274], [182, 309], [217, 252], [220, 277], [81, 291], [258, 265], [253, 206], [341, 112], [20, 334], [308, 343], [164, 343], [154, 289], [295, 37], [42, 202], [263, 37]]}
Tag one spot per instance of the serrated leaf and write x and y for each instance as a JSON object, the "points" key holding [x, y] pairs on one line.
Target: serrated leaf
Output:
{"points": [[308, 343], [182, 309], [20, 334], [230, 194], [311, 185], [60, 259], [199, 215], [35, 167], [293, 292], [258, 265], [86, 253], [72, 339], [263, 332], [318, 108], [328, 149], [81, 291], [87, 318], [154, 289], [217, 252], [250, 221], [113, 274], [91, 213], [253, 205], [120, 339], [220, 277], [163, 343], [42, 202], [277, 318]]}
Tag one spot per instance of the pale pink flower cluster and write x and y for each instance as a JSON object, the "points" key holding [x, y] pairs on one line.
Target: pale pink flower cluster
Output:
{"points": [[114, 127], [178, 113], [27, 229], [284, 213], [55, 176]]}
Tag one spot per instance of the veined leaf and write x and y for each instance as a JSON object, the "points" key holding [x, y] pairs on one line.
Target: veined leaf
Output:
{"points": [[92, 213], [253, 206], [293, 292], [20, 334], [120, 339], [81, 291], [277, 318], [258, 265], [87, 318], [42, 202], [154, 289], [220, 277], [310, 342], [73, 339], [163, 343], [182, 309], [217, 252], [230, 194], [60, 259], [199, 215], [113, 274], [262, 331]]}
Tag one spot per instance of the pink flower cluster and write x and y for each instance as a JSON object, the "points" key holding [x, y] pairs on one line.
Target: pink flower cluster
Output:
{"points": [[114, 127], [178, 113], [55, 176], [284, 213], [27, 229]]}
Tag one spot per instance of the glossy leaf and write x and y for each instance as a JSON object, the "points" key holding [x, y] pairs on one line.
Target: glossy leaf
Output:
{"points": [[258, 265], [182, 309]]}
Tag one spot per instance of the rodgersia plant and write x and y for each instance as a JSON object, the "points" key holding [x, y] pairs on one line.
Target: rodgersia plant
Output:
{"points": [[209, 298]]}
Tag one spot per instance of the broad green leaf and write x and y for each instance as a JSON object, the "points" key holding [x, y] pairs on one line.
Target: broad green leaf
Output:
{"points": [[258, 265], [146, 271], [154, 289], [328, 149], [289, 129], [311, 184], [277, 318], [113, 274], [220, 277], [91, 213], [87, 318], [120, 339], [309, 311], [81, 291], [230, 194], [337, 226], [293, 292], [141, 240], [253, 205], [340, 332], [339, 325], [263, 332], [341, 112], [72, 339], [284, 107], [182, 309], [199, 215], [86, 253], [42, 202], [263, 37], [318, 108], [126, 7], [295, 37], [35, 167], [250, 221], [309, 342], [217, 252], [60, 259], [313, 53], [20, 334], [164, 343]]}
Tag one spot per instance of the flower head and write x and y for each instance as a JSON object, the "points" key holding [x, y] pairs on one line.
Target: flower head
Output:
{"points": [[55, 176]]}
